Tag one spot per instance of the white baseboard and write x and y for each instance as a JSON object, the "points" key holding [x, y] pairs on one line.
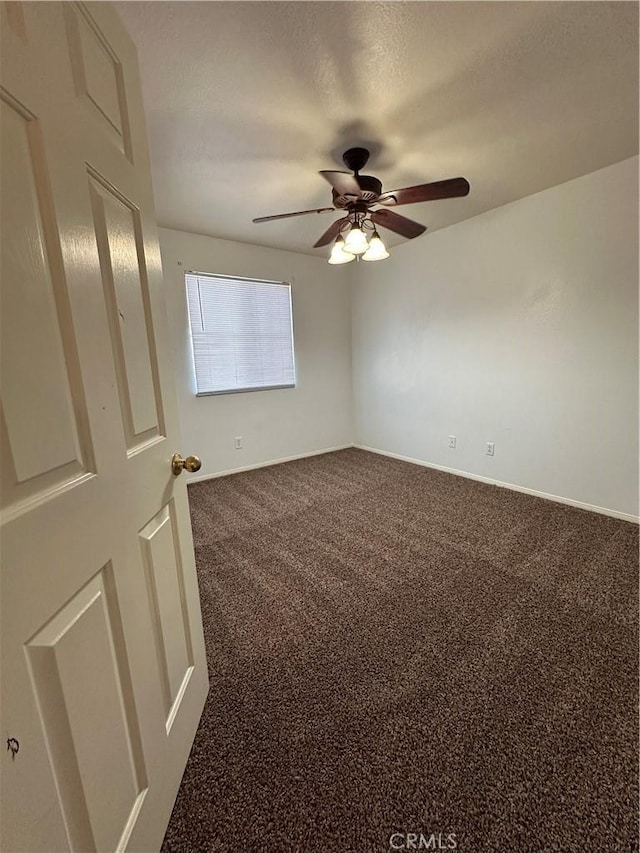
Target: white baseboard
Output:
{"points": [[200, 477], [557, 498]]}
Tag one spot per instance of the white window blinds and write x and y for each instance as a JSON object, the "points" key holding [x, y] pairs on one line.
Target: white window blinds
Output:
{"points": [[241, 333]]}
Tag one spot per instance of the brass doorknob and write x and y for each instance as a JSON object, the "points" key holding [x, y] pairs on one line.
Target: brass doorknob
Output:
{"points": [[191, 463]]}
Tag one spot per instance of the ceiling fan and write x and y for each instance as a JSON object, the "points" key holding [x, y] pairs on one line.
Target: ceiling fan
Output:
{"points": [[366, 207]]}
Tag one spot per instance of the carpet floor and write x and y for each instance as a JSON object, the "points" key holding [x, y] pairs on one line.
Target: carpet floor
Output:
{"points": [[404, 659]]}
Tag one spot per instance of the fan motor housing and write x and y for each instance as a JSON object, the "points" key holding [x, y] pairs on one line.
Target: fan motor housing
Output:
{"points": [[369, 184], [371, 188]]}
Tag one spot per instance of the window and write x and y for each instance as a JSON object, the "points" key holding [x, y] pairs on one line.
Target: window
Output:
{"points": [[241, 333]]}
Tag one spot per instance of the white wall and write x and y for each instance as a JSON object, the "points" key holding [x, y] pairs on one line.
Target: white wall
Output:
{"points": [[313, 416], [519, 326]]}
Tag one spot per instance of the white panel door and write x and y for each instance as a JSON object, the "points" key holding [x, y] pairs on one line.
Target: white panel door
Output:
{"points": [[103, 667]]}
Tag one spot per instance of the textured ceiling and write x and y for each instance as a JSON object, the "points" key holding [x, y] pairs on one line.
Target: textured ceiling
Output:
{"points": [[246, 101]]}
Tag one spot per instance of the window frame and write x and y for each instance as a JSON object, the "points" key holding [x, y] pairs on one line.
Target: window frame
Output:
{"points": [[249, 280]]}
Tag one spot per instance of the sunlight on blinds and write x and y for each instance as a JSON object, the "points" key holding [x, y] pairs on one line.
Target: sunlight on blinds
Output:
{"points": [[241, 333]]}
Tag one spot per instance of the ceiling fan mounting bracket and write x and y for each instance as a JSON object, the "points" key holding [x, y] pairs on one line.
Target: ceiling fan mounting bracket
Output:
{"points": [[355, 158]]}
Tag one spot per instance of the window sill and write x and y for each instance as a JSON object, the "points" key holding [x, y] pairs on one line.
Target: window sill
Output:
{"points": [[242, 390]]}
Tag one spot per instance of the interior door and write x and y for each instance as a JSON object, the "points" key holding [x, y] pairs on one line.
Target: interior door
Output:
{"points": [[103, 667]]}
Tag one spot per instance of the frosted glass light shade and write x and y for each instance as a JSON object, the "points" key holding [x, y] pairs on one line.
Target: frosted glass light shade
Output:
{"points": [[376, 251], [338, 254], [356, 242]]}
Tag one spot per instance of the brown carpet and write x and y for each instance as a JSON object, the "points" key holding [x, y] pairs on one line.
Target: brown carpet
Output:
{"points": [[397, 650]]}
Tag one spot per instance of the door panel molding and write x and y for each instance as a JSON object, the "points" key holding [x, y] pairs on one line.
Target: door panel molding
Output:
{"points": [[118, 229], [80, 674], [97, 73], [45, 418], [165, 579]]}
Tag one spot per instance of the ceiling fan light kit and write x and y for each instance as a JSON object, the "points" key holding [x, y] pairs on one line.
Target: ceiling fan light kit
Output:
{"points": [[338, 254], [367, 206], [377, 251], [356, 241]]}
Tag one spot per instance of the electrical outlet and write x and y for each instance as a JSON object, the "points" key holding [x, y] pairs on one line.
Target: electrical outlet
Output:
{"points": [[452, 442], [238, 442], [491, 449]]}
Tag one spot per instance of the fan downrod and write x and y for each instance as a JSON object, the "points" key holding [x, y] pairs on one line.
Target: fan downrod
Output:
{"points": [[355, 158]]}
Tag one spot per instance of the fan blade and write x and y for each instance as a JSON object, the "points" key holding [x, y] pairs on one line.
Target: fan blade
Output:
{"points": [[331, 233], [297, 213], [399, 224], [452, 188], [344, 183]]}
